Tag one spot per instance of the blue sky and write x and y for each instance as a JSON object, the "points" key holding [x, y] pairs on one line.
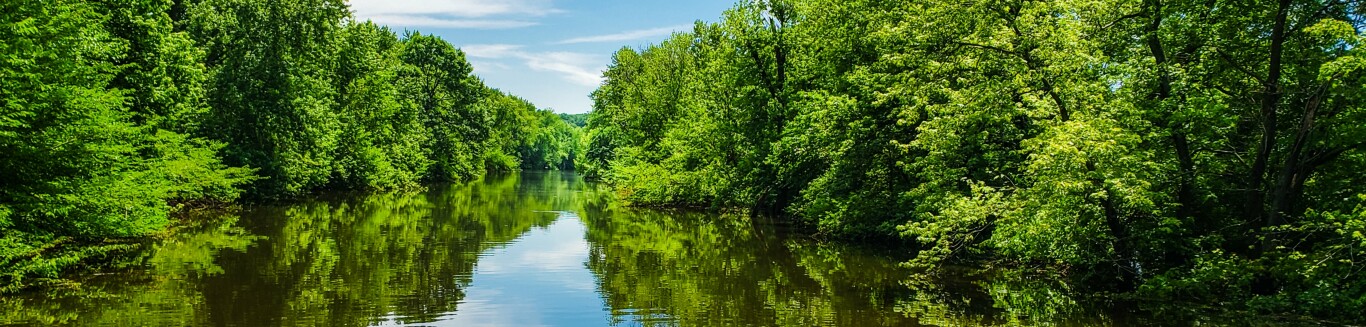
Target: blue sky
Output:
{"points": [[551, 52]]}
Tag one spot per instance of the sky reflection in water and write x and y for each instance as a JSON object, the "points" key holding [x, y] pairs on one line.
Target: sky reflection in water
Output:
{"points": [[538, 249]]}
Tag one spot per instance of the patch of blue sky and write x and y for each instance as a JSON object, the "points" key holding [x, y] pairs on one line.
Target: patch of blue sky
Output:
{"points": [[551, 52]]}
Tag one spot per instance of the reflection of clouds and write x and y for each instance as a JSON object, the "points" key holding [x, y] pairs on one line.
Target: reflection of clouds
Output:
{"points": [[569, 257], [493, 314], [557, 253], [537, 280], [556, 248], [482, 313]]}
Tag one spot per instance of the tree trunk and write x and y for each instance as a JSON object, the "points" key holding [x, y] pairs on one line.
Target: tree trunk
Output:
{"points": [[1185, 195], [1256, 209], [1296, 170]]}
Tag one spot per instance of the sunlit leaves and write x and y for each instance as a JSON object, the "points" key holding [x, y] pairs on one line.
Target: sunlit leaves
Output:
{"points": [[1088, 134], [272, 95], [113, 115]]}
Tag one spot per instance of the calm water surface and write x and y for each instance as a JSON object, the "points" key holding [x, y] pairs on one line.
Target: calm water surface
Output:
{"points": [[537, 249]]}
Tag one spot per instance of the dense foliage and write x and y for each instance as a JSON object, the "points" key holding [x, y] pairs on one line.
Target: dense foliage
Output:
{"points": [[114, 115], [401, 256], [578, 120], [546, 247], [1196, 150]]}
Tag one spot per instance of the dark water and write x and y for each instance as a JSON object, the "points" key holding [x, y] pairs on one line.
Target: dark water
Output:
{"points": [[539, 249]]}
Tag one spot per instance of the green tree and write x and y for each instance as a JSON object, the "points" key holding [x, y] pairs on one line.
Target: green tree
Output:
{"points": [[380, 146], [83, 161], [553, 145], [576, 120], [437, 79], [1203, 147], [272, 95]]}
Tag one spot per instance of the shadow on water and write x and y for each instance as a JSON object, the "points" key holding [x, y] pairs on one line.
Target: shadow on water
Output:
{"points": [[539, 249]]}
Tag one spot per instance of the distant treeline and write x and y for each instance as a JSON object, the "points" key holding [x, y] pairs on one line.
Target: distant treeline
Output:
{"points": [[579, 120], [1208, 151], [115, 114]]}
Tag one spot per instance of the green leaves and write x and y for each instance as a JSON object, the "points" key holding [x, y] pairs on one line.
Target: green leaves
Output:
{"points": [[96, 104], [437, 79], [272, 95], [381, 146], [113, 116], [1097, 136]]}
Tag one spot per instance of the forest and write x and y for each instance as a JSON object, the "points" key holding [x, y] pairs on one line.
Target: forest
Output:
{"points": [[1204, 151], [118, 116], [1198, 151]]}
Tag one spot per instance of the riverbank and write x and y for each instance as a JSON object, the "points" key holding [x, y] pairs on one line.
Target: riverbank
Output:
{"points": [[550, 249], [115, 114], [1171, 149]]}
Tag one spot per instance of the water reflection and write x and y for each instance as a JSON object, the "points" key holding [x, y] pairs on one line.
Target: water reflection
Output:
{"points": [[340, 260], [539, 249], [538, 281], [709, 270]]}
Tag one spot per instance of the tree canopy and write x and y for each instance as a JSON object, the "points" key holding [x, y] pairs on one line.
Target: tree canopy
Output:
{"points": [[1207, 149], [114, 116]]}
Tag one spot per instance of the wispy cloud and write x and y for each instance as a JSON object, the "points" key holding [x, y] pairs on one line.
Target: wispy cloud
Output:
{"points": [[628, 35], [578, 68], [424, 21], [457, 8], [471, 14], [492, 51]]}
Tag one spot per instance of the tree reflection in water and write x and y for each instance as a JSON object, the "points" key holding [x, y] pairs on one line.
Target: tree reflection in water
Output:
{"points": [[409, 258]]}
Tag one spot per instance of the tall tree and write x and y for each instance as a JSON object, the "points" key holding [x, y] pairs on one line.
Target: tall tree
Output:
{"points": [[439, 82], [380, 146], [1199, 146], [272, 95], [92, 116]]}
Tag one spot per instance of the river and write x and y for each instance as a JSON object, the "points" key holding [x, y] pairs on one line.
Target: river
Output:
{"points": [[537, 249]]}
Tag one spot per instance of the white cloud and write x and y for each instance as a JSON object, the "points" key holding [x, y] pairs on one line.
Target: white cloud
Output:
{"points": [[463, 14], [424, 21], [578, 68], [481, 66], [456, 8], [492, 51], [629, 35]]}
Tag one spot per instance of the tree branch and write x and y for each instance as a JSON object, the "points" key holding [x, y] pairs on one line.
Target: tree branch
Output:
{"points": [[1123, 18], [1318, 15], [1330, 155], [992, 48], [1229, 60]]}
